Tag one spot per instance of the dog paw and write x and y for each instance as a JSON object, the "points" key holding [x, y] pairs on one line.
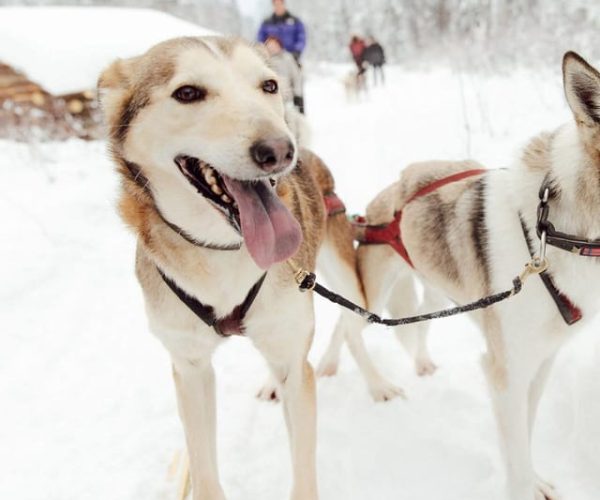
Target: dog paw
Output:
{"points": [[269, 394], [327, 368], [384, 391], [545, 490], [425, 367]]}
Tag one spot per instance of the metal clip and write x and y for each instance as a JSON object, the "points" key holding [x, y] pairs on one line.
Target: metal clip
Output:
{"points": [[543, 237], [534, 266], [300, 275], [546, 196]]}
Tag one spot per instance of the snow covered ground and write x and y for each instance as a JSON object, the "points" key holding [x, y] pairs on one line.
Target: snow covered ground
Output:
{"points": [[87, 407]]}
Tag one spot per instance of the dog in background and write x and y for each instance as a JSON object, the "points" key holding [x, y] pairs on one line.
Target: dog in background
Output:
{"points": [[468, 232], [355, 85]]}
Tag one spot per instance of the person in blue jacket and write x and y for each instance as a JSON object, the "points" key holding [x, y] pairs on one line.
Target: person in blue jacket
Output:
{"points": [[285, 27]]}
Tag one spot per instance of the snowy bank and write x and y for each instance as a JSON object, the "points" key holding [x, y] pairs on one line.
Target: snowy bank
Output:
{"points": [[64, 49]]}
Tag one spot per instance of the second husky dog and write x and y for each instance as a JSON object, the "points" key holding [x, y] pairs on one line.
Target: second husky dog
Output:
{"points": [[468, 232]]}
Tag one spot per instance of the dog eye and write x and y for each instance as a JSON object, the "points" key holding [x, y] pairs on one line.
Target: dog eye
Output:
{"points": [[189, 93], [270, 86]]}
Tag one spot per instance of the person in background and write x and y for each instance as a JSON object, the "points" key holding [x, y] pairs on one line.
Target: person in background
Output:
{"points": [[374, 55], [286, 67], [288, 29], [357, 49]]}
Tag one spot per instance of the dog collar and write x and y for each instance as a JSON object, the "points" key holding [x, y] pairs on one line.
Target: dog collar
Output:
{"points": [[233, 323], [142, 181], [546, 231]]}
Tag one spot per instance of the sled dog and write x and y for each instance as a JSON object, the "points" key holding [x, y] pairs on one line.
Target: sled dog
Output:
{"points": [[220, 196], [468, 232]]}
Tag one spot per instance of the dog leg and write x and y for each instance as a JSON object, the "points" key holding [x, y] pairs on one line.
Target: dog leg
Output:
{"points": [[344, 278], [379, 268], [298, 395], [285, 351], [535, 393], [403, 302], [537, 389], [299, 399], [337, 262], [379, 388], [511, 405], [329, 363], [195, 386], [512, 400]]}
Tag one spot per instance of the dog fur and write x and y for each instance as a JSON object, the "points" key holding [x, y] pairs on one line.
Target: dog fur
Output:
{"points": [[466, 240], [355, 86], [149, 128]]}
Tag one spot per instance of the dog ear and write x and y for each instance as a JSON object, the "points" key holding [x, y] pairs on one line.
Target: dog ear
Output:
{"points": [[582, 88], [114, 86], [119, 75]]}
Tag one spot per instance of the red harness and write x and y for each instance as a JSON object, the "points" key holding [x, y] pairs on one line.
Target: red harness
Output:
{"points": [[390, 233], [333, 204]]}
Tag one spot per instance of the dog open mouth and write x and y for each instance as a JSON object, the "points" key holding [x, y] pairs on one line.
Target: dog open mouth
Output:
{"points": [[270, 231]]}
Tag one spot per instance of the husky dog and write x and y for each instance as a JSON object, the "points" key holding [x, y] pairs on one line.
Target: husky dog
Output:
{"points": [[355, 85], [468, 232], [220, 197]]}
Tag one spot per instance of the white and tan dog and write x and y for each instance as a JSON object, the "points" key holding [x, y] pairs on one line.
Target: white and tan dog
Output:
{"points": [[219, 197], [470, 236]]}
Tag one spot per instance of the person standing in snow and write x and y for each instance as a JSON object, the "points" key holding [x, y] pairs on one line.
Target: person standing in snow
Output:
{"points": [[357, 49], [286, 28], [290, 33], [374, 55], [286, 67]]}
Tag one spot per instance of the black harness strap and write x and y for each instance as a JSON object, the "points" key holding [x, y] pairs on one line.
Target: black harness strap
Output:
{"points": [[307, 281], [233, 323], [570, 312], [192, 240], [142, 181], [564, 241]]}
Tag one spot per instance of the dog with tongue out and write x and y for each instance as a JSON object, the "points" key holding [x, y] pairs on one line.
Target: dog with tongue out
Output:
{"points": [[219, 195]]}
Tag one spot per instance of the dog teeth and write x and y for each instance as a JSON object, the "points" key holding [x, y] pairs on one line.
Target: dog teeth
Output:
{"points": [[210, 178], [226, 198], [215, 188]]}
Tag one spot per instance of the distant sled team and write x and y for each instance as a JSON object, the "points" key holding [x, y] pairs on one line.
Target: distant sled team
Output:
{"points": [[225, 201]]}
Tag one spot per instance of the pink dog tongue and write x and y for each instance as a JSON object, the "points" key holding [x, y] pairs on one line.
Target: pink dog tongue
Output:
{"points": [[270, 231]]}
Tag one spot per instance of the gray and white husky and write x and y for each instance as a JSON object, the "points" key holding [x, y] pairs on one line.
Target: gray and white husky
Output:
{"points": [[469, 238]]}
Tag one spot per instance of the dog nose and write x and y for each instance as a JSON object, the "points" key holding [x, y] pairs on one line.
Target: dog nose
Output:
{"points": [[272, 155]]}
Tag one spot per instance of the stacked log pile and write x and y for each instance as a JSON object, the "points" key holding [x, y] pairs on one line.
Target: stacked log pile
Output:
{"points": [[28, 112]]}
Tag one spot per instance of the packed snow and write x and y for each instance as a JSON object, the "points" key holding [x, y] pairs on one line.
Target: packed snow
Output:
{"points": [[88, 408], [64, 49]]}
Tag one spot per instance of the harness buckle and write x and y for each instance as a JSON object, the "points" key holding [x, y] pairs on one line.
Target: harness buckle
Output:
{"points": [[534, 266], [300, 275], [303, 278]]}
